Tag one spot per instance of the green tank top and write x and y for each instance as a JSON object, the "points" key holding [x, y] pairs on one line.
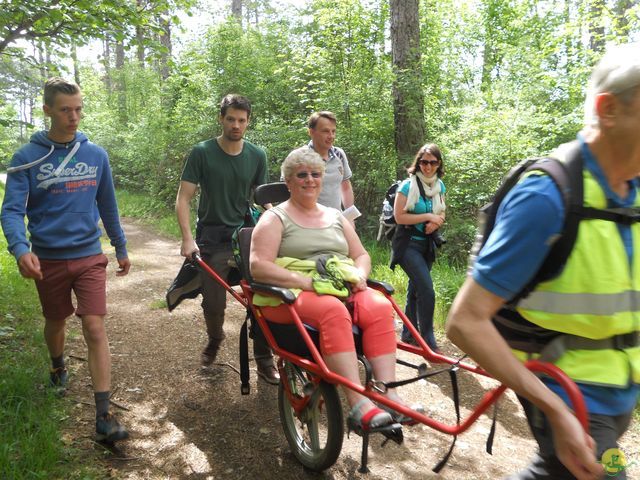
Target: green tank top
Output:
{"points": [[306, 243]]}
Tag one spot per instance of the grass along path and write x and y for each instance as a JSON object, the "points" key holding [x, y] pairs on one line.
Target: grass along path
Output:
{"points": [[31, 417]]}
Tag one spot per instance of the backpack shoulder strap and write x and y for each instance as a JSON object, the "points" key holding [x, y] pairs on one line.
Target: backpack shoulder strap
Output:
{"points": [[568, 178], [421, 189], [340, 154], [489, 212]]}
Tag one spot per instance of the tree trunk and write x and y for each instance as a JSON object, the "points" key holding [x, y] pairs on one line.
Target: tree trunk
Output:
{"points": [[140, 46], [119, 84], [488, 59], [44, 75], [106, 61], [569, 45], [596, 27], [165, 41], [493, 23], [76, 66], [408, 99], [621, 18], [51, 68], [119, 55], [42, 65], [236, 9], [22, 121], [140, 37]]}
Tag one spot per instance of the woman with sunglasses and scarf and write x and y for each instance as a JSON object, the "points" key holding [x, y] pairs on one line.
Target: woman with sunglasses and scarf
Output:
{"points": [[419, 211]]}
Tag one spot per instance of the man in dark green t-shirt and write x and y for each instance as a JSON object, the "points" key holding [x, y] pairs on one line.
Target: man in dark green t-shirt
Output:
{"points": [[227, 169]]}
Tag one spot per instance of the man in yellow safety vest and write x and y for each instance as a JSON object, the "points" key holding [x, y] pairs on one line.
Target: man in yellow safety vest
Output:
{"points": [[591, 309]]}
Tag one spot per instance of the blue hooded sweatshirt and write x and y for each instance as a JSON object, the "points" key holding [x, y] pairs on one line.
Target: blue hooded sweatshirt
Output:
{"points": [[63, 198]]}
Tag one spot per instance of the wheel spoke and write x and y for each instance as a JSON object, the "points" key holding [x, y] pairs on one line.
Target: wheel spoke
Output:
{"points": [[313, 422], [315, 434]]}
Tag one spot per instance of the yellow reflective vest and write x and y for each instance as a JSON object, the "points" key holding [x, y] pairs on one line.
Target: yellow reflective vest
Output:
{"points": [[596, 296]]}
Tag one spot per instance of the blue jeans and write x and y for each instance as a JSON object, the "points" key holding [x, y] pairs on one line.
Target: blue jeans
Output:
{"points": [[410, 310], [421, 298]]}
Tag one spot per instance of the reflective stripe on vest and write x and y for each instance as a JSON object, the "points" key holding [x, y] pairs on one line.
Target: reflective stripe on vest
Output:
{"points": [[598, 367], [597, 295]]}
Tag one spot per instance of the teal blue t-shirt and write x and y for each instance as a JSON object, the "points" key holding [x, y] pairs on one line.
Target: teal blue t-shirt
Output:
{"points": [[422, 205]]}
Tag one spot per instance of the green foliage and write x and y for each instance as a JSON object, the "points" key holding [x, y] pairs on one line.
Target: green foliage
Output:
{"points": [[380, 257], [66, 21], [502, 80], [485, 117], [150, 210], [8, 133], [30, 416], [460, 233], [159, 304], [285, 78], [447, 280]]}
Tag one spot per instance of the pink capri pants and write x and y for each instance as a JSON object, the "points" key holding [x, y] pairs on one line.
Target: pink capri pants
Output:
{"points": [[372, 312]]}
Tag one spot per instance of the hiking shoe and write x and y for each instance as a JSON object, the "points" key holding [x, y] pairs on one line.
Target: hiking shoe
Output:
{"points": [[109, 430], [268, 371], [210, 352], [58, 377]]}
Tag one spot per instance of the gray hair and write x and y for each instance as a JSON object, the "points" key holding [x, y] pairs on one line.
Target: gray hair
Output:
{"points": [[299, 157], [618, 72]]}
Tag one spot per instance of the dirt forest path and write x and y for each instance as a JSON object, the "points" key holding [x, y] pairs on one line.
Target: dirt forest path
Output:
{"points": [[189, 422]]}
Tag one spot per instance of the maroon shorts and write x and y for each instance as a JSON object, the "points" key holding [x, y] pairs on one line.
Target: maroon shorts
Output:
{"points": [[86, 276]]}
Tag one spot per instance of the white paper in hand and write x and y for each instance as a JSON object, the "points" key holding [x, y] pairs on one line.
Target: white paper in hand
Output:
{"points": [[351, 213]]}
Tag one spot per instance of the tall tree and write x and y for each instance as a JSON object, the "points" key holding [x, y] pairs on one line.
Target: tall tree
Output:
{"points": [[120, 56], [165, 41], [236, 9], [106, 61], [490, 52], [140, 36], [76, 66], [500, 19], [621, 11], [44, 74], [120, 85], [408, 99], [596, 26]]}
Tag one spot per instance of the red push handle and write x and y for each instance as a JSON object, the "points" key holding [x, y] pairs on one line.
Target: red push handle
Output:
{"points": [[198, 259]]}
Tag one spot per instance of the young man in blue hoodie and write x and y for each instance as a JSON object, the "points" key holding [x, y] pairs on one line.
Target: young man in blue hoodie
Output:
{"points": [[62, 182]]}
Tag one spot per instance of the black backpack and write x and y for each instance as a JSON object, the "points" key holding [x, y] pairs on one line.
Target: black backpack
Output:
{"points": [[387, 220], [568, 179], [568, 176]]}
